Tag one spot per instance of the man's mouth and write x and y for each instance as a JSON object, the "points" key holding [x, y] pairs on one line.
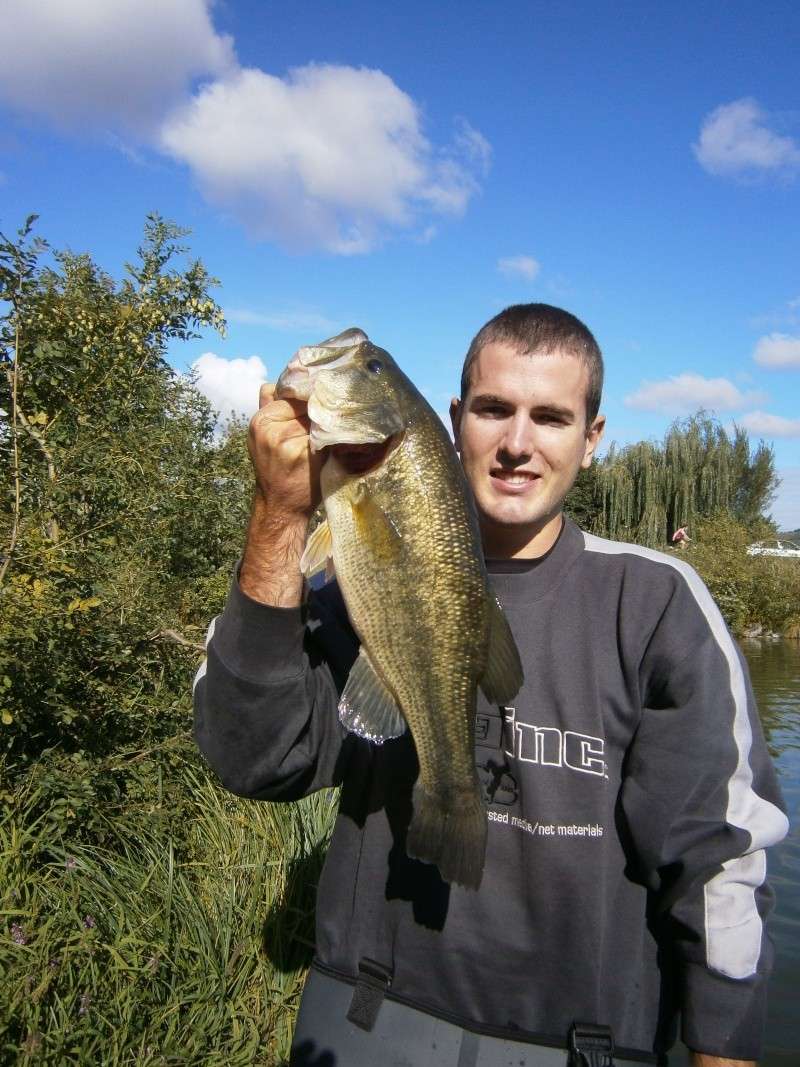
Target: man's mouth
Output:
{"points": [[514, 477]]}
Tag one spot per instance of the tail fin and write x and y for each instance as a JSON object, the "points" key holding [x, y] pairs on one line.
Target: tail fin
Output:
{"points": [[453, 838]]}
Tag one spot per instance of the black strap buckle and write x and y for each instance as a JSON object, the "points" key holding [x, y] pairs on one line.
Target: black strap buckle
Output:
{"points": [[591, 1045], [371, 985]]}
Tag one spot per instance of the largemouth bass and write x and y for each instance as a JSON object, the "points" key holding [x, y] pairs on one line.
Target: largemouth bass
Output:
{"points": [[401, 534]]}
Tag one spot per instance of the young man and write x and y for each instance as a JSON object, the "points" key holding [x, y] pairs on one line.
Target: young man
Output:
{"points": [[629, 793]]}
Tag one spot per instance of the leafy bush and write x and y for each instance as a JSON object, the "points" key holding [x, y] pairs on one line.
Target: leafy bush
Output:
{"points": [[754, 593], [121, 510]]}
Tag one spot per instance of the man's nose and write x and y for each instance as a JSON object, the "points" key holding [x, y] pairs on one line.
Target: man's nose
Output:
{"points": [[517, 443]]}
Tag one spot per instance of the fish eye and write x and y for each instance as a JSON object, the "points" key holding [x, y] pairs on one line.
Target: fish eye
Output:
{"points": [[374, 366]]}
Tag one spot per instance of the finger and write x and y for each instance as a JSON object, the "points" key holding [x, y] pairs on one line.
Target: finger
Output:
{"points": [[280, 422], [284, 409], [266, 393]]}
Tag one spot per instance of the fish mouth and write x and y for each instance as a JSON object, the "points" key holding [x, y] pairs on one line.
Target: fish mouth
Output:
{"points": [[361, 459], [296, 381]]}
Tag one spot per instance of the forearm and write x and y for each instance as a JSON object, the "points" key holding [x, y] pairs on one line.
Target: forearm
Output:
{"points": [[270, 571], [265, 718]]}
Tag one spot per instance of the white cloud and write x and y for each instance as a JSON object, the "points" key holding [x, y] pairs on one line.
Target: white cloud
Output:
{"points": [[778, 350], [231, 385], [525, 267], [473, 144], [735, 139], [685, 393], [766, 425], [107, 63], [327, 157], [309, 321], [427, 235], [786, 509]]}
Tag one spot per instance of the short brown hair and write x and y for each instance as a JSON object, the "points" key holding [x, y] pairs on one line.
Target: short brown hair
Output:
{"points": [[532, 328]]}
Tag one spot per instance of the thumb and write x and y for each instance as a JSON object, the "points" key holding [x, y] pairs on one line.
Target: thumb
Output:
{"points": [[266, 393]]}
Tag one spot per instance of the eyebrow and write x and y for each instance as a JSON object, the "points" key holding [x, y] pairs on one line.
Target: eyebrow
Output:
{"points": [[549, 409]]}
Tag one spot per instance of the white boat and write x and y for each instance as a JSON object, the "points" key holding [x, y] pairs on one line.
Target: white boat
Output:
{"points": [[775, 547]]}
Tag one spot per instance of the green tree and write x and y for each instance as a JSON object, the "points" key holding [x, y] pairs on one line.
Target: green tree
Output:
{"points": [[643, 492], [120, 509]]}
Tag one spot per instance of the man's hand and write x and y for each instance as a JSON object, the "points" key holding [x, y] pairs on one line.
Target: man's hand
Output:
{"points": [[287, 491]]}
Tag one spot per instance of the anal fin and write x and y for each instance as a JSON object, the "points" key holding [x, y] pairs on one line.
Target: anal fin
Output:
{"points": [[366, 706]]}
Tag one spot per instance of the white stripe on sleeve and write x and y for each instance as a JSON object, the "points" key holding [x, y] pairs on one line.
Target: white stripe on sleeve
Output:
{"points": [[733, 924]]}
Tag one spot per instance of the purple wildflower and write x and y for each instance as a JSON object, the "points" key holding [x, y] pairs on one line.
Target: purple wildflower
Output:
{"points": [[89, 922], [71, 863], [18, 934]]}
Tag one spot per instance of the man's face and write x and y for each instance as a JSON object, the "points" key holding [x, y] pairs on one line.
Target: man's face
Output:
{"points": [[521, 431]]}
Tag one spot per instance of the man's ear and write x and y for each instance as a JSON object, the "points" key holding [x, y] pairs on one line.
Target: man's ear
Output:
{"points": [[455, 421], [593, 437]]}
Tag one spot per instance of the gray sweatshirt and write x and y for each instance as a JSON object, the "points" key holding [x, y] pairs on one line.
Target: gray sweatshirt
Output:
{"points": [[630, 798]]}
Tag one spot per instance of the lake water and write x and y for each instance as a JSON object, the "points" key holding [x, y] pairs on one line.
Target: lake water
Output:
{"points": [[775, 671]]}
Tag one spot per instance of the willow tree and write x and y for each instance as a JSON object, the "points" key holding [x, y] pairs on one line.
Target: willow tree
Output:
{"points": [[643, 492]]}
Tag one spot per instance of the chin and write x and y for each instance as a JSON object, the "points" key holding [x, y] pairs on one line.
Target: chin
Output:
{"points": [[517, 516], [508, 520]]}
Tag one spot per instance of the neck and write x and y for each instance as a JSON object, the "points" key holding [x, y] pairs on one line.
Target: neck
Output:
{"points": [[512, 542]]}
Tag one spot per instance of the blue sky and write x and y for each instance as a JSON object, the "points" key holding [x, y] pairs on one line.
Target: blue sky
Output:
{"points": [[411, 169]]}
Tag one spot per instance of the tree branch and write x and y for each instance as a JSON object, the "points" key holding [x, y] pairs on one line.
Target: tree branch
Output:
{"points": [[15, 445], [31, 430], [176, 639]]}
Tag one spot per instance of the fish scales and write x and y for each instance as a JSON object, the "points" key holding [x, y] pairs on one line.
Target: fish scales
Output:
{"points": [[401, 530], [428, 607]]}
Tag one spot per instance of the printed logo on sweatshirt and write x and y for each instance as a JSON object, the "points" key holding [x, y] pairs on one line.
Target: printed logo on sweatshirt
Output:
{"points": [[550, 747]]}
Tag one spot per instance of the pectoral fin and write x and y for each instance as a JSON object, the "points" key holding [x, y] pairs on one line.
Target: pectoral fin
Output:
{"points": [[503, 677], [366, 707], [376, 528], [318, 553]]}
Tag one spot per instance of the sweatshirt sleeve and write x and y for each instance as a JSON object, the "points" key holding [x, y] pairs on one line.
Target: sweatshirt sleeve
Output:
{"points": [[702, 803], [265, 699]]}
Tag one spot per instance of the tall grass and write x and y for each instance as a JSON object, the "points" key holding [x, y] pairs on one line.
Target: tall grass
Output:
{"points": [[183, 939]]}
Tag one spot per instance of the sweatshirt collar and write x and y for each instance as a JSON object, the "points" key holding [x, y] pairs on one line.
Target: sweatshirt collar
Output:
{"points": [[515, 580]]}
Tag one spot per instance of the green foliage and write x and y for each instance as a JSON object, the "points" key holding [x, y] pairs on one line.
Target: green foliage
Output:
{"points": [[120, 510], [164, 945], [645, 491], [754, 593]]}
